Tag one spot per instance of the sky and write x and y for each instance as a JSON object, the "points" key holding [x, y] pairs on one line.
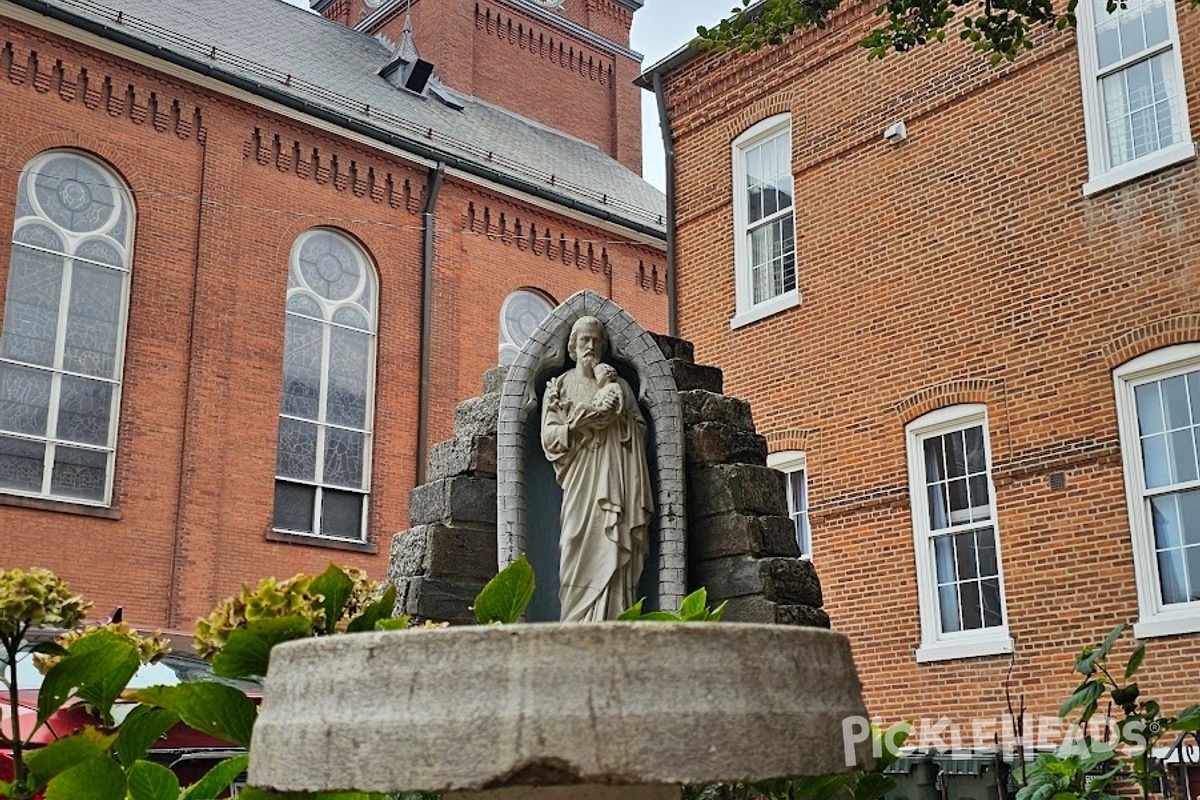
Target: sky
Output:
{"points": [[659, 28]]}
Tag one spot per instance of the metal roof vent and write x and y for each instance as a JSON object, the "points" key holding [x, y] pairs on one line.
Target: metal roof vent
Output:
{"points": [[407, 70]]}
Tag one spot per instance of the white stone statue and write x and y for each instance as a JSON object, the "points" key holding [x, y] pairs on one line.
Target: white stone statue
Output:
{"points": [[594, 435]]}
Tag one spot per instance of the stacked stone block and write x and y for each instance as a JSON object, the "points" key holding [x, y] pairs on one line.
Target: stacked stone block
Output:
{"points": [[440, 563], [741, 542]]}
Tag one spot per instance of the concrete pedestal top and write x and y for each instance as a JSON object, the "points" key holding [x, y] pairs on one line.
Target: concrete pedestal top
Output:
{"points": [[474, 708]]}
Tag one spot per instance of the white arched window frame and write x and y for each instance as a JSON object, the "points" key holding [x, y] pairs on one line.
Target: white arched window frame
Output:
{"points": [[764, 221], [956, 541], [1134, 99], [794, 466], [1158, 413], [62, 348], [520, 314], [323, 464]]}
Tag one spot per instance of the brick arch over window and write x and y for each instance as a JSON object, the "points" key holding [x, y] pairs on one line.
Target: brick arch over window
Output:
{"points": [[949, 393], [546, 351], [1182, 329], [990, 392]]}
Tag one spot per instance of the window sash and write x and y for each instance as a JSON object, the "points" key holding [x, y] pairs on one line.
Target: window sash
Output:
{"points": [[963, 611], [1144, 136], [759, 290]]}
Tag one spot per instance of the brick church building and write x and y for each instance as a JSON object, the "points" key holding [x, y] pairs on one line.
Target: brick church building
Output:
{"points": [[260, 253], [963, 301]]}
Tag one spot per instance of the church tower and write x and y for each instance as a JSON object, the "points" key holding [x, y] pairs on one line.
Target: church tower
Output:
{"points": [[563, 63]]}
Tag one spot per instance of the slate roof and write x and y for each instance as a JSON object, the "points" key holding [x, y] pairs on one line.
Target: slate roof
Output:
{"points": [[285, 53]]}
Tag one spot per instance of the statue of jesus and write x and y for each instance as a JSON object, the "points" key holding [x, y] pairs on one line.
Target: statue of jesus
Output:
{"points": [[595, 436]]}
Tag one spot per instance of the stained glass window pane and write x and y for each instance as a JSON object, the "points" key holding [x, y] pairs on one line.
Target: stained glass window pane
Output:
{"points": [[83, 410], [93, 320], [32, 306], [24, 399], [344, 458], [79, 473], [297, 453], [21, 464], [349, 369], [329, 267], [75, 194], [302, 361]]}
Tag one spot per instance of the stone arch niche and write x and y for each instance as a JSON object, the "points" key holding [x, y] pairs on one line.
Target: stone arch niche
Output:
{"points": [[521, 466]]}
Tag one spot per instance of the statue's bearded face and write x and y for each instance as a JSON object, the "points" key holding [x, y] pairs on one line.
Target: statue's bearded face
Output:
{"points": [[588, 342]]}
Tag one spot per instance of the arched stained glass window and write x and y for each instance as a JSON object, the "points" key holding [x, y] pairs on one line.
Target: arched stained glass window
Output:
{"points": [[63, 341], [521, 313], [323, 464]]}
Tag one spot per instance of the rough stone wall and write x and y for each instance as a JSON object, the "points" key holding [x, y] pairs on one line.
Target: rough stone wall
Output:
{"points": [[961, 266]]}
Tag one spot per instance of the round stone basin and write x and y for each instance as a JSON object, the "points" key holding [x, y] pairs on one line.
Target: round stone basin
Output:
{"points": [[598, 705]]}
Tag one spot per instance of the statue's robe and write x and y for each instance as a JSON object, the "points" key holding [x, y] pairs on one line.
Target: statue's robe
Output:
{"points": [[607, 504]]}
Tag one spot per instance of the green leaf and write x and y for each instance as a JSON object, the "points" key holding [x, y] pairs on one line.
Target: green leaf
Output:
{"points": [[248, 650], [150, 781], [399, 623], [694, 604], [634, 612], [1109, 641], [46, 762], [1188, 719], [1086, 695], [383, 608], [1135, 661], [213, 708], [716, 614], [217, 779], [334, 585], [141, 729], [97, 778], [507, 595], [97, 667]]}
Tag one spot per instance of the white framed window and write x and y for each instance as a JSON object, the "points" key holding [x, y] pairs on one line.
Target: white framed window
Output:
{"points": [[1158, 407], [959, 577], [63, 343], [323, 463], [764, 221], [1134, 100], [794, 466], [520, 314]]}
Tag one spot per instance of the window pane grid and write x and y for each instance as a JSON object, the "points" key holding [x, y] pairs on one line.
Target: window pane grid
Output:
{"points": [[955, 520], [1137, 89], [1168, 420], [766, 250], [62, 343], [323, 460]]}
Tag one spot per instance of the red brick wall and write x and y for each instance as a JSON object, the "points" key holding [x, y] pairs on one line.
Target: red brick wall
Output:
{"points": [[222, 191], [963, 265]]}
